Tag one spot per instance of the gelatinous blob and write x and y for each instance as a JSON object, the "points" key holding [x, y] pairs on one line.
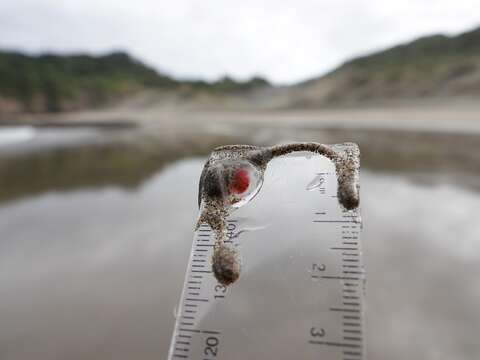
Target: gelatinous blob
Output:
{"points": [[225, 264], [240, 182], [232, 183], [233, 175], [245, 184]]}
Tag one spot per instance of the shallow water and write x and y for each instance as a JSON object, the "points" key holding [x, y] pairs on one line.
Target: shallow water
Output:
{"points": [[24, 139], [96, 273]]}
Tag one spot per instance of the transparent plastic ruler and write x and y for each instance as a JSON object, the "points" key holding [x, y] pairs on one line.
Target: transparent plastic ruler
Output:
{"points": [[300, 293]]}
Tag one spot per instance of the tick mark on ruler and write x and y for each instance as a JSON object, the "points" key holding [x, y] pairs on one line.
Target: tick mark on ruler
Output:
{"points": [[181, 349], [339, 277], [330, 343], [345, 352], [345, 310], [210, 332], [352, 338], [189, 330], [332, 221]]}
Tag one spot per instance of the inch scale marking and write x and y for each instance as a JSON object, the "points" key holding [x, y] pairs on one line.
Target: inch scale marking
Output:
{"points": [[301, 290]]}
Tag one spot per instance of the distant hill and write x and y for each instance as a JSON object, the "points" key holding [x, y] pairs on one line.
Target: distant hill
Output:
{"points": [[51, 83], [434, 67], [430, 67]]}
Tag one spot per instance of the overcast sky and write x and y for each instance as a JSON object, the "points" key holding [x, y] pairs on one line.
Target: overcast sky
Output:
{"points": [[285, 41]]}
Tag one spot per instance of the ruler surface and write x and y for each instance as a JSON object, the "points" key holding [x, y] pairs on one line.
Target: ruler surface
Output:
{"points": [[300, 293]]}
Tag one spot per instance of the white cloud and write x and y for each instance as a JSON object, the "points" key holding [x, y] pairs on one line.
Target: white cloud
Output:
{"points": [[283, 40]]}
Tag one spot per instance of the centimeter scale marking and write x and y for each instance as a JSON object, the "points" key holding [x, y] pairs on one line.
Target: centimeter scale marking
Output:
{"points": [[201, 289]]}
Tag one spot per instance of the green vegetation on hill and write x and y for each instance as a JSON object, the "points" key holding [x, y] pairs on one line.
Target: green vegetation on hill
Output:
{"points": [[431, 67], [55, 83], [227, 85], [429, 49]]}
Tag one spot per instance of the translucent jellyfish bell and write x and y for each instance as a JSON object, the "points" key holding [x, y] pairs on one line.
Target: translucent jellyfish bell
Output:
{"points": [[244, 182], [236, 182]]}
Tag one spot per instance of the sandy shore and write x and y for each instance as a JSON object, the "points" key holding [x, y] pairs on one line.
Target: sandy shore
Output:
{"points": [[446, 115]]}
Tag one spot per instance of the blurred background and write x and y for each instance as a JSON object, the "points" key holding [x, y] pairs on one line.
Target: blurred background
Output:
{"points": [[108, 111]]}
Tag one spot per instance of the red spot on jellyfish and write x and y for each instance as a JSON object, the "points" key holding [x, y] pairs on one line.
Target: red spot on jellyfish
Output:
{"points": [[240, 181]]}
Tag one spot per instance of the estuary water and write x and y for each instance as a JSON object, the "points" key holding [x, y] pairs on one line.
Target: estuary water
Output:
{"points": [[93, 269]]}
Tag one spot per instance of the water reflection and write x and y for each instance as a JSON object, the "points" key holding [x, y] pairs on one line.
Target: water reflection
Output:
{"points": [[422, 252], [130, 160], [125, 162], [16, 134], [95, 274]]}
